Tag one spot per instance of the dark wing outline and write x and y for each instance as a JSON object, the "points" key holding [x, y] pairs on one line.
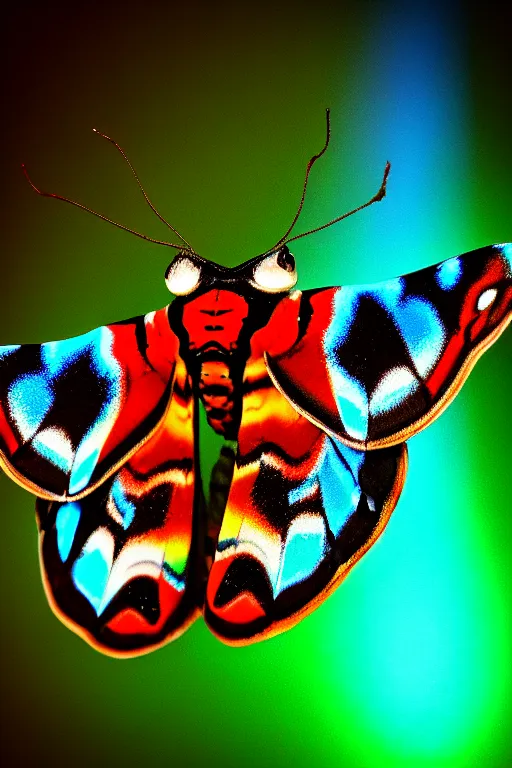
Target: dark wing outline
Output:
{"points": [[381, 329]]}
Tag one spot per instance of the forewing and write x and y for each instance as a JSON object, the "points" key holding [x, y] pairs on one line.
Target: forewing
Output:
{"points": [[121, 566], [375, 364], [302, 510], [72, 411]]}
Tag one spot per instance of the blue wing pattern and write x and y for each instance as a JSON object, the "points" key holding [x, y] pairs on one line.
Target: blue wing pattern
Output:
{"points": [[389, 357], [121, 375]]}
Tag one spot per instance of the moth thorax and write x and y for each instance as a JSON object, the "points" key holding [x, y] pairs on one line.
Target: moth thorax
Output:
{"points": [[217, 391]]}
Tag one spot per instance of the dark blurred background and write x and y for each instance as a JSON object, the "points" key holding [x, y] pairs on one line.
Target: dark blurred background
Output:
{"points": [[219, 106]]}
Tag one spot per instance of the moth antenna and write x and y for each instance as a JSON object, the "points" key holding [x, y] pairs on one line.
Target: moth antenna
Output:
{"points": [[308, 169], [146, 198], [99, 215], [375, 199]]}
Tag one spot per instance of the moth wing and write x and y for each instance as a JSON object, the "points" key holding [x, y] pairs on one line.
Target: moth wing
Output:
{"points": [[373, 365], [302, 510], [72, 411], [121, 566]]}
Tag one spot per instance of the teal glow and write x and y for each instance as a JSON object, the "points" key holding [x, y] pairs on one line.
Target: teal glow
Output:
{"points": [[335, 475], [351, 399], [7, 349], [90, 574], [30, 398], [86, 458], [419, 325], [59, 355], [507, 252], [449, 272], [422, 628], [415, 318], [422, 331], [415, 661], [66, 522], [219, 106], [303, 551], [125, 507]]}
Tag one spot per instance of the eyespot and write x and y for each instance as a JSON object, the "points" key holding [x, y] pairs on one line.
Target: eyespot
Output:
{"points": [[276, 272], [486, 298], [182, 276]]}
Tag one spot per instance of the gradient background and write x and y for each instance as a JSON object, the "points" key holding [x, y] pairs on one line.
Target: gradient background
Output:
{"points": [[220, 106]]}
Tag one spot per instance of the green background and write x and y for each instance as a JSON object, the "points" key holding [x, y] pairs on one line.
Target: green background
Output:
{"points": [[219, 106]]}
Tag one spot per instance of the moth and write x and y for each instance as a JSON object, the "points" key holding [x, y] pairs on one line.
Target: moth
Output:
{"points": [[315, 393]]}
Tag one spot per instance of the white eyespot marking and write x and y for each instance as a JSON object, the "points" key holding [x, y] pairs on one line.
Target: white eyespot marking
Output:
{"points": [[393, 388], [276, 273], [486, 298], [182, 276]]}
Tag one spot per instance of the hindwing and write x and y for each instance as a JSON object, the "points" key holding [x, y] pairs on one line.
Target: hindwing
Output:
{"points": [[302, 510], [121, 565], [103, 429]]}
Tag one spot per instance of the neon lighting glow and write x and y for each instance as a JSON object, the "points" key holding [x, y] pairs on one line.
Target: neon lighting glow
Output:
{"points": [[506, 250], [303, 491], [440, 672], [29, 400], [66, 523], [125, 508], [338, 482], [7, 349], [422, 331], [335, 479], [351, 399], [449, 273], [416, 319], [303, 550], [58, 356], [346, 301], [91, 570]]}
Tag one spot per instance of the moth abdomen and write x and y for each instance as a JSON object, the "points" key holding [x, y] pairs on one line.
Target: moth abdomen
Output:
{"points": [[220, 397]]}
